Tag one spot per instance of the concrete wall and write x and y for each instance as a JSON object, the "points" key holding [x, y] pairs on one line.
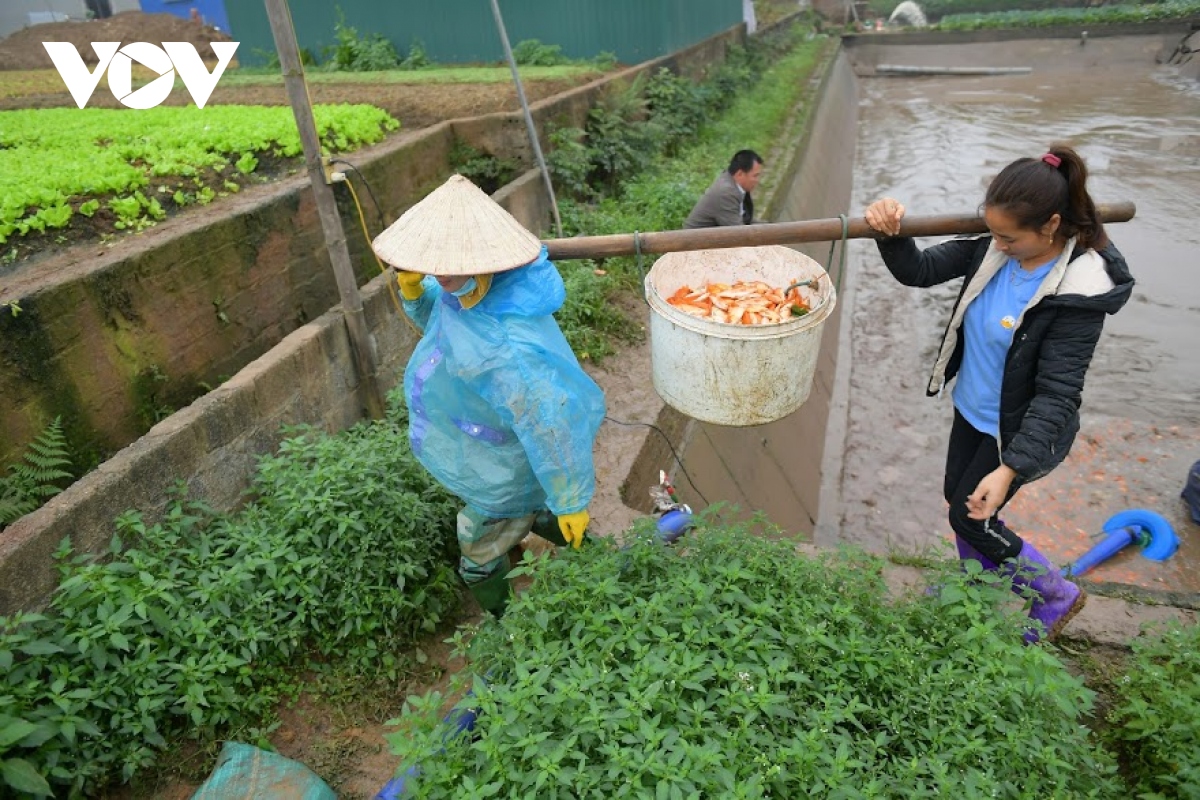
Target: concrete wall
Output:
{"points": [[265, 244], [211, 446], [775, 468], [1058, 49]]}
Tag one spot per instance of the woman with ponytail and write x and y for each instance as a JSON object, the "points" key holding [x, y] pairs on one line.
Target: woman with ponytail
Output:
{"points": [[1035, 294]]}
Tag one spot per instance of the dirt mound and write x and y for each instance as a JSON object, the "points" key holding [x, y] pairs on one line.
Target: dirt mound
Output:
{"points": [[23, 49]]}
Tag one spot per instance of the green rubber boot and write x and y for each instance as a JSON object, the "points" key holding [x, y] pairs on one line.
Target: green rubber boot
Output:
{"points": [[492, 592], [545, 525]]}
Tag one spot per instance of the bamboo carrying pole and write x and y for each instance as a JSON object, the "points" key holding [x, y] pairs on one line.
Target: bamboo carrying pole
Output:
{"points": [[814, 230], [331, 223]]}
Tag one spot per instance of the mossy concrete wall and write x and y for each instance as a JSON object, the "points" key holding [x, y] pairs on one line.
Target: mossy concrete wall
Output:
{"points": [[109, 336]]}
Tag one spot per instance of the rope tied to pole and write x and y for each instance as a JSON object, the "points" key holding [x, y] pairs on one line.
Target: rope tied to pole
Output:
{"points": [[637, 251], [812, 282]]}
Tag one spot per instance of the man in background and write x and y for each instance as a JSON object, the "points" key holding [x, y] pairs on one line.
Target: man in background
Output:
{"points": [[728, 200]]}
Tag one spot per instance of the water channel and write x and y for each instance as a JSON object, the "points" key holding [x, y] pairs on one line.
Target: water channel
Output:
{"points": [[934, 143]]}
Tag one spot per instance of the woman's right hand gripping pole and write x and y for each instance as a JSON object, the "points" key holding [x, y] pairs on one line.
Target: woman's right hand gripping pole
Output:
{"points": [[884, 215]]}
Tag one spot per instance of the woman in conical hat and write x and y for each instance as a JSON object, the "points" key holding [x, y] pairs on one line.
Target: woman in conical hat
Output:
{"points": [[500, 412]]}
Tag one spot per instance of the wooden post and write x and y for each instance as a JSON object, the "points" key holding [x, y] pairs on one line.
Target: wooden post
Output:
{"points": [[331, 223], [533, 135], [813, 230]]}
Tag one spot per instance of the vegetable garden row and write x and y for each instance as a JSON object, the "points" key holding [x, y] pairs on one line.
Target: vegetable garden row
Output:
{"points": [[58, 165]]}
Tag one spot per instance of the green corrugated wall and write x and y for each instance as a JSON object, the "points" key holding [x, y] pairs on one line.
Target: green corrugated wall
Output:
{"points": [[464, 31]]}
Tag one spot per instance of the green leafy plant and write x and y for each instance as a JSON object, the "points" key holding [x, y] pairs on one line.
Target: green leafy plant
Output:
{"points": [[620, 143], [34, 479], [1155, 728], [99, 157], [532, 53], [247, 163], [486, 171], [730, 666], [570, 162], [595, 323], [192, 626], [56, 216], [604, 60], [417, 58], [677, 106], [354, 53], [17, 773], [386, 574]]}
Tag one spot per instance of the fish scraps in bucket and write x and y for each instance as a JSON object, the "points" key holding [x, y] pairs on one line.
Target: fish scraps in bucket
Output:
{"points": [[742, 303]]}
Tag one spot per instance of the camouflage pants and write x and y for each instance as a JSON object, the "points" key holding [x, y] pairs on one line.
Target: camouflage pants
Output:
{"points": [[484, 541]]}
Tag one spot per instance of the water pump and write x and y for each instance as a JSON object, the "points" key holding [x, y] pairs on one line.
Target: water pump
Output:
{"points": [[674, 517]]}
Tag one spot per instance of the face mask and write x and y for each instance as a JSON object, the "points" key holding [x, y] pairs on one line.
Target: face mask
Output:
{"points": [[466, 288]]}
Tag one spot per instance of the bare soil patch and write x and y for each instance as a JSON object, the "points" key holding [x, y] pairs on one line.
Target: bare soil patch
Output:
{"points": [[23, 49], [415, 105], [32, 81], [337, 731]]}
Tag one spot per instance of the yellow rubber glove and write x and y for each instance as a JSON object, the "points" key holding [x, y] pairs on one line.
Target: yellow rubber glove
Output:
{"points": [[410, 284], [573, 526]]}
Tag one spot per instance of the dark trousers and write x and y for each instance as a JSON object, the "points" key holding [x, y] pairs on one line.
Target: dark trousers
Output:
{"points": [[971, 456]]}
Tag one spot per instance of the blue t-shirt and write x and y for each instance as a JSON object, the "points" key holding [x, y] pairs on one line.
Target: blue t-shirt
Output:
{"points": [[988, 330]]}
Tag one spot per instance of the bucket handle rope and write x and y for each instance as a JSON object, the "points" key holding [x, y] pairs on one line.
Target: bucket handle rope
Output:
{"points": [[637, 250], [811, 283]]}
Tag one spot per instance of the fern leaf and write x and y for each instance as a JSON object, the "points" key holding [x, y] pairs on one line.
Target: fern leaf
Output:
{"points": [[32, 479]]}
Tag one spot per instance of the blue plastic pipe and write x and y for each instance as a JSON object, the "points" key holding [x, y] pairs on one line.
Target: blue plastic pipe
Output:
{"points": [[458, 722], [1149, 529], [1112, 544]]}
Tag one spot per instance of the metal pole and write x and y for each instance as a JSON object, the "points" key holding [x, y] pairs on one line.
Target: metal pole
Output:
{"points": [[812, 230], [533, 136], [331, 223]]}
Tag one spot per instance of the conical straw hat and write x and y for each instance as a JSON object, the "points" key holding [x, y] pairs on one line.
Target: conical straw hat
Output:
{"points": [[456, 230]]}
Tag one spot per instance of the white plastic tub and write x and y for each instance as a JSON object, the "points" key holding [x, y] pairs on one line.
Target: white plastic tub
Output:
{"points": [[735, 374]]}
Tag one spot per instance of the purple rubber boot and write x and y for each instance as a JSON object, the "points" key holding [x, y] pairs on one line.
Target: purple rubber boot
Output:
{"points": [[1057, 599], [967, 552]]}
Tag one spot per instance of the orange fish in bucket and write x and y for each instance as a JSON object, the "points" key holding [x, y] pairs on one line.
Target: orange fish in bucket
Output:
{"points": [[742, 303]]}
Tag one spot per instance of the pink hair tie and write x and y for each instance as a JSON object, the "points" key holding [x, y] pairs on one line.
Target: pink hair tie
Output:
{"points": [[1052, 160]]}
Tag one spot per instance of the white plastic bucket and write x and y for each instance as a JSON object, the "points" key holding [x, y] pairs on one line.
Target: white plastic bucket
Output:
{"points": [[735, 374]]}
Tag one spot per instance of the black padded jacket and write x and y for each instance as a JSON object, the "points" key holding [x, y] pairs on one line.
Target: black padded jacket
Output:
{"points": [[1052, 343]]}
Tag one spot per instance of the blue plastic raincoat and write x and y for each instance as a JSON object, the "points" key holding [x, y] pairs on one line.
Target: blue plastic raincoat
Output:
{"points": [[500, 412]]}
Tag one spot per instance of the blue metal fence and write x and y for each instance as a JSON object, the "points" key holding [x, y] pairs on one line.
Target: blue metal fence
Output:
{"points": [[464, 32]]}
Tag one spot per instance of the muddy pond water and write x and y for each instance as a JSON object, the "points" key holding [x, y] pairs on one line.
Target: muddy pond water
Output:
{"points": [[935, 143]]}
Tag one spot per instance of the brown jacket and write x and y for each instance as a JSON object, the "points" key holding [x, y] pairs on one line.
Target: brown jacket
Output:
{"points": [[723, 204]]}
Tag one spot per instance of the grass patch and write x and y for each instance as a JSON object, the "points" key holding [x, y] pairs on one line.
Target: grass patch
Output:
{"points": [[435, 75], [1050, 17]]}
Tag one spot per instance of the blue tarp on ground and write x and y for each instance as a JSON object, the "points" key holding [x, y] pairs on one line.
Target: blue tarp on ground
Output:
{"points": [[244, 772]]}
